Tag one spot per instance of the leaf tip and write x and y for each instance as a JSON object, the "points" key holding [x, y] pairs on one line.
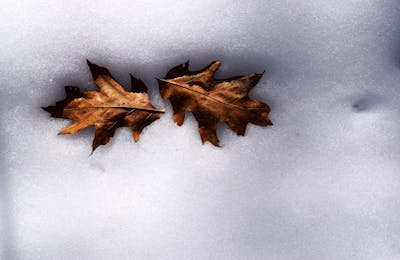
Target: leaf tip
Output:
{"points": [[89, 63], [213, 142], [94, 147], [213, 67], [97, 70], [136, 136], [45, 109], [137, 85]]}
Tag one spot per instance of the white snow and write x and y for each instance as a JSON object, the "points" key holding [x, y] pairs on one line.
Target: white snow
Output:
{"points": [[322, 183]]}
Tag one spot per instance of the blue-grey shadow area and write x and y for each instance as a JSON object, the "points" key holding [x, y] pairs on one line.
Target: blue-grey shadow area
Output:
{"points": [[393, 8], [7, 236]]}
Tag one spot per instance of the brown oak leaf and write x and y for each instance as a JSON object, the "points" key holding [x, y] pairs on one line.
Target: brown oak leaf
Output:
{"points": [[110, 108], [212, 100]]}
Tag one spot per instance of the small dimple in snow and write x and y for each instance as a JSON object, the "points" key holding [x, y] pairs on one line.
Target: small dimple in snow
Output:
{"points": [[360, 105], [366, 103]]}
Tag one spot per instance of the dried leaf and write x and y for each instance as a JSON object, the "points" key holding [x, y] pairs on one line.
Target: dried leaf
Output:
{"points": [[106, 110], [212, 101]]}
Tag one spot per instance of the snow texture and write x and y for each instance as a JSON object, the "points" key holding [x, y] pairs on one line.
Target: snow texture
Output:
{"points": [[322, 183]]}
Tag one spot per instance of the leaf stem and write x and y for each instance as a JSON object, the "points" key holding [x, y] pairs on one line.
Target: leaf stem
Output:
{"points": [[122, 107]]}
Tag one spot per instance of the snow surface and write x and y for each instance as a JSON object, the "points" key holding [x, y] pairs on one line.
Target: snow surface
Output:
{"points": [[322, 183]]}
